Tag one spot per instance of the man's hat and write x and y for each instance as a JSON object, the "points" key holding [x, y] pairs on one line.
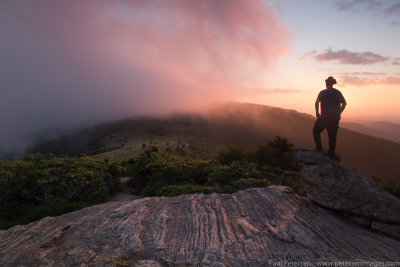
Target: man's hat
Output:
{"points": [[330, 80]]}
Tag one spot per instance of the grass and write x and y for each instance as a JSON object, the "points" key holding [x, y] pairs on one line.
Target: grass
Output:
{"points": [[134, 146], [122, 260]]}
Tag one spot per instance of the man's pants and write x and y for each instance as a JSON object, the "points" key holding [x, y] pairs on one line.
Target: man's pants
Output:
{"points": [[332, 125]]}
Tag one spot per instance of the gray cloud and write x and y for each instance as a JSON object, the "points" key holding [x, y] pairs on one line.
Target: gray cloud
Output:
{"points": [[358, 5], [347, 57], [359, 81], [384, 8], [396, 62]]}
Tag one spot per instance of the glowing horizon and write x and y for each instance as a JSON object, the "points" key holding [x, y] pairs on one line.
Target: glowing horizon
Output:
{"points": [[355, 41]]}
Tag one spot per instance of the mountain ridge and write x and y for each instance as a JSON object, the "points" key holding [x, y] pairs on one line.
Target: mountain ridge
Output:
{"points": [[381, 129], [238, 124]]}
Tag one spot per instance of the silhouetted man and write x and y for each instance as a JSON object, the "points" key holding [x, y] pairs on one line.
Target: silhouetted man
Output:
{"points": [[332, 106]]}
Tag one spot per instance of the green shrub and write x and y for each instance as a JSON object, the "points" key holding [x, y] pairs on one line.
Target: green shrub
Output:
{"points": [[28, 213], [277, 153], [388, 186], [44, 180], [292, 182], [230, 154], [224, 174], [263, 155], [157, 173], [220, 175], [152, 189], [159, 167]]}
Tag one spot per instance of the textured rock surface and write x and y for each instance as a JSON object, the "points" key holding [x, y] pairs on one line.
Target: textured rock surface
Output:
{"points": [[248, 228], [340, 187], [337, 186]]}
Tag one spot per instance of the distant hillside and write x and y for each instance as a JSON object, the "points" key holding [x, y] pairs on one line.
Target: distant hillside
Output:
{"points": [[381, 129], [248, 125]]}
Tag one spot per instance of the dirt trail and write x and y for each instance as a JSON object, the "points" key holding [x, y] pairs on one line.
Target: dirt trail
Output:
{"points": [[125, 195]]}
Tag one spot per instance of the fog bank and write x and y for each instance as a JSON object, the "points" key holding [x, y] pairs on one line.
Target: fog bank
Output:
{"points": [[66, 64]]}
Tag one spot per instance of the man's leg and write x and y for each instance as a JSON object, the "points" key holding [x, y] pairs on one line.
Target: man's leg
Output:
{"points": [[318, 128], [332, 127]]}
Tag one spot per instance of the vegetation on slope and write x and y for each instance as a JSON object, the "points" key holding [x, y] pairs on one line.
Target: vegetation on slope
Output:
{"points": [[159, 173], [43, 185], [236, 124], [387, 186]]}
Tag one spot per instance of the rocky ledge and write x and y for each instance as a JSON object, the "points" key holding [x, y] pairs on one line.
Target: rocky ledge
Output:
{"points": [[336, 186], [253, 227]]}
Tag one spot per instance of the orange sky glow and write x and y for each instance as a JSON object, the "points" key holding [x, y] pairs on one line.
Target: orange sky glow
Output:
{"points": [[354, 43]]}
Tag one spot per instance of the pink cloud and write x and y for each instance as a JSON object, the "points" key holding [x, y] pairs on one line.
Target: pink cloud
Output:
{"points": [[366, 73], [268, 91], [347, 57], [363, 81], [70, 62]]}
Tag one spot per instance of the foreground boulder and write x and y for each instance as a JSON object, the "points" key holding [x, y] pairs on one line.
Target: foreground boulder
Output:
{"points": [[336, 186], [254, 227]]}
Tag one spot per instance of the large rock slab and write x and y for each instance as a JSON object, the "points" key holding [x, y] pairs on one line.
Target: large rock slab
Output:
{"points": [[254, 227], [334, 185], [340, 187]]}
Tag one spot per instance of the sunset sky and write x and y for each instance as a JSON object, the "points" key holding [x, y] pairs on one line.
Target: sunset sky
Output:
{"points": [[70, 63], [356, 41]]}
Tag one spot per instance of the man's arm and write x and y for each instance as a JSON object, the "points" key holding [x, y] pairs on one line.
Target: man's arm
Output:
{"points": [[343, 104], [317, 108]]}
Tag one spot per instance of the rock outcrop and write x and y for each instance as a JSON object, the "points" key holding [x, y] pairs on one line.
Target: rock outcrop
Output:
{"points": [[254, 227], [269, 226], [336, 186]]}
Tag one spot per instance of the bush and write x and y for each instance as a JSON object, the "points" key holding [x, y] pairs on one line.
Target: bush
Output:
{"points": [[263, 155], [292, 180], [47, 181], [28, 213], [152, 189], [277, 153], [224, 174], [387, 186], [230, 154], [220, 175], [154, 167], [158, 173]]}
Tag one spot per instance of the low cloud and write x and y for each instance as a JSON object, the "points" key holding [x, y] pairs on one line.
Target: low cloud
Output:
{"points": [[366, 73], [268, 91], [383, 8], [396, 62], [393, 9], [347, 57], [70, 63], [358, 5], [359, 81]]}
